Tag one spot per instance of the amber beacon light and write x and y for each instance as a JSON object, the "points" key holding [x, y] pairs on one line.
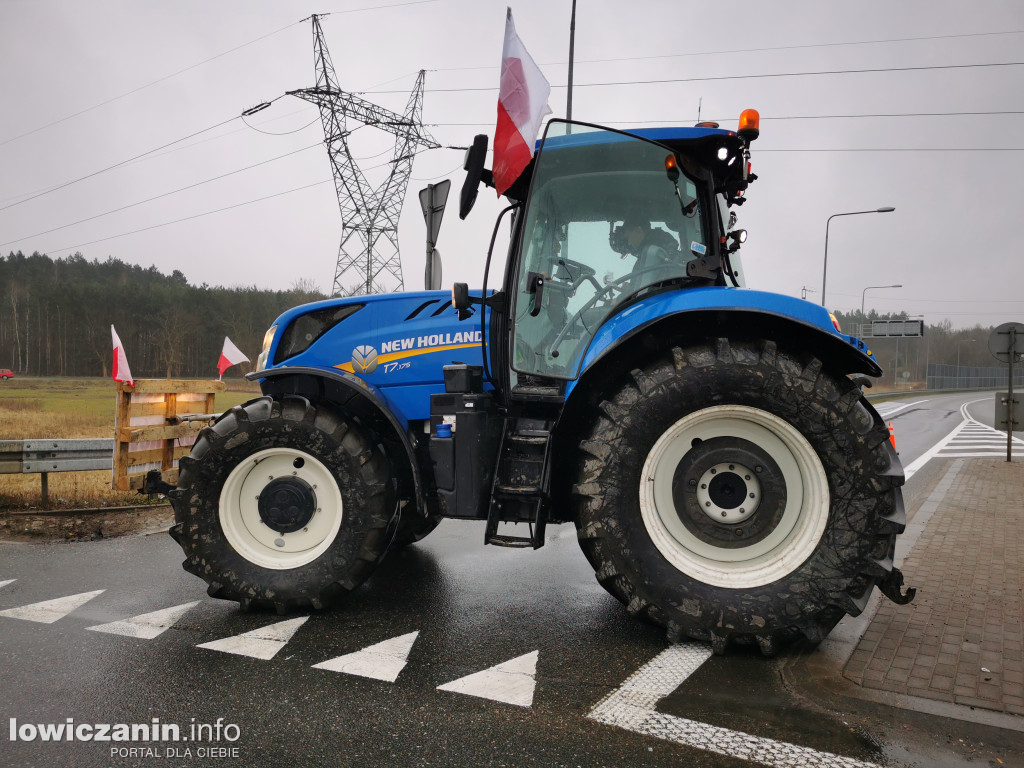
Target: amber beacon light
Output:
{"points": [[750, 124]]}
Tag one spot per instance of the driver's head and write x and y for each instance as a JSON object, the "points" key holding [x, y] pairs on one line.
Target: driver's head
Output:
{"points": [[635, 229]]}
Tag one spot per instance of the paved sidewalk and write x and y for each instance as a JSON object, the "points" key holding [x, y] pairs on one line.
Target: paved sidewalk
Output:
{"points": [[961, 641]]}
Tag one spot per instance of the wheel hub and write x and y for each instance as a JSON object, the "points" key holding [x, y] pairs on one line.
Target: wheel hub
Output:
{"points": [[729, 493], [287, 504]]}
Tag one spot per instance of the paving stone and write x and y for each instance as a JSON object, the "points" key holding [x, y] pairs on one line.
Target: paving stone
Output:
{"points": [[968, 568]]}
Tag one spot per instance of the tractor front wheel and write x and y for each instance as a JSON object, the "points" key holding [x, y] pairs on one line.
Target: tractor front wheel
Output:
{"points": [[283, 505], [736, 492]]}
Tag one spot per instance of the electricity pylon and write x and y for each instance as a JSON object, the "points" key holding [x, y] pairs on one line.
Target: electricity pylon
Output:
{"points": [[368, 257]]}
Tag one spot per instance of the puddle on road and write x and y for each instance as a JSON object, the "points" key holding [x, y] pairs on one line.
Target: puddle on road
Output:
{"points": [[742, 692]]}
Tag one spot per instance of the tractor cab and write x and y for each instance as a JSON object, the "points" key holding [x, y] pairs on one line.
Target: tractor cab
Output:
{"points": [[610, 217]]}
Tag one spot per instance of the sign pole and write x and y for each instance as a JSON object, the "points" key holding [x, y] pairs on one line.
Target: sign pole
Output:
{"points": [[1009, 405]]}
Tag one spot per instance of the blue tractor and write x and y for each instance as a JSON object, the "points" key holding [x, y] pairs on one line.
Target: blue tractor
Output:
{"points": [[711, 444]]}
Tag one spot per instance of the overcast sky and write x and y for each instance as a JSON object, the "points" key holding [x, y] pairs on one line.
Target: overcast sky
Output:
{"points": [[829, 143]]}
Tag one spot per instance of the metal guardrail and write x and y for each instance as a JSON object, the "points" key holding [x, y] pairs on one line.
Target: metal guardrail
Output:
{"points": [[40, 457]]}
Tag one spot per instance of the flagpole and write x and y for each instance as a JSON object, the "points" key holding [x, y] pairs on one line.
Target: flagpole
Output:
{"points": [[572, 48]]}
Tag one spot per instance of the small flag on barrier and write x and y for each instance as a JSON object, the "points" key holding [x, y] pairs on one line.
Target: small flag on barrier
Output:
{"points": [[121, 370], [230, 355]]}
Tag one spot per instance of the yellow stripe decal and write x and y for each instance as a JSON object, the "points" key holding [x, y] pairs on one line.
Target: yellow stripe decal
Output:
{"points": [[390, 357]]}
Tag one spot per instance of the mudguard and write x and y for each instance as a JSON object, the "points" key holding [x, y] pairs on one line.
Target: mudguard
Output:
{"points": [[787, 316]]}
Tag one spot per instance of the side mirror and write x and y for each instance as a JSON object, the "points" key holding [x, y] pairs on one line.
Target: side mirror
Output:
{"points": [[475, 173], [460, 296]]}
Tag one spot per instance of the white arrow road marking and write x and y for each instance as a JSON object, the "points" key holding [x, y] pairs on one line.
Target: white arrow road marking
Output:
{"points": [[50, 611], [897, 408], [632, 706], [383, 661], [5, 583], [262, 643], [969, 439], [511, 682], [146, 626]]}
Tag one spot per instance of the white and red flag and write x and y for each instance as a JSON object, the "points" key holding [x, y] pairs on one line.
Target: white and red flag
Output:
{"points": [[522, 105], [121, 370], [230, 355]]}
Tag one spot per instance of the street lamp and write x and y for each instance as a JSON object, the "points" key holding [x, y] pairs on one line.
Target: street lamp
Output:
{"points": [[871, 287], [824, 268], [958, 359]]}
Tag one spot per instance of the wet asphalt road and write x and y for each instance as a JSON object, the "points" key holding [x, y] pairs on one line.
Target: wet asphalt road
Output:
{"points": [[474, 607]]}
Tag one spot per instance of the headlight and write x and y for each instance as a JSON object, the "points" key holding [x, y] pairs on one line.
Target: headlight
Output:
{"points": [[305, 329], [268, 339]]}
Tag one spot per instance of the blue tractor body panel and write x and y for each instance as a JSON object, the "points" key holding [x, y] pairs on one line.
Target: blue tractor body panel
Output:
{"points": [[397, 344], [644, 313]]}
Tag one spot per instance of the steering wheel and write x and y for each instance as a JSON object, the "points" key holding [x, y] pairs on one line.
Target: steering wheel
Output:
{"points": [[604, 290]]}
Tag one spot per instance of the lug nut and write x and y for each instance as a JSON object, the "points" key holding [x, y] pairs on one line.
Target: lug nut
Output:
{"points": [[724, 514], [713, 471], [707, 503], [693, 483], [739, 531], [703, 485], [759, 469], [753, 496], [732, 467], [746, 477]]}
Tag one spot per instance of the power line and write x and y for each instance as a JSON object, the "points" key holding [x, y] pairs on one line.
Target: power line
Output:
{"points": [[157, 197], [198, 64], [147, 85], [118, 165], [757, 76], [764, 117], [189, 218], [746, 50], [208, 213]]}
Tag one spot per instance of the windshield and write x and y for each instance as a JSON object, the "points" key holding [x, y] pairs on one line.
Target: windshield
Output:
{"points": [[604, 221]]}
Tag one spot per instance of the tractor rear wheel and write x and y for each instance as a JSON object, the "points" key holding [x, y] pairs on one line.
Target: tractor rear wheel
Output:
{"points": [[737, 492], [282, 505]]}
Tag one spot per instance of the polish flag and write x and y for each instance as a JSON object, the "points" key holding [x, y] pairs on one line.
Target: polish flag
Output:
{"points": [[230, 355], [121, 370], [522, 105]]}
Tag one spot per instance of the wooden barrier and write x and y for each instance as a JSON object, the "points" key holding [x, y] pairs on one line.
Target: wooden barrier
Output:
{"points": [[155, 423]]}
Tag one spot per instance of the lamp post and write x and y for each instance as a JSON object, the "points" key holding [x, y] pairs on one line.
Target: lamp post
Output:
{"points": [[869, 288], [958, 359], [824, 268]]}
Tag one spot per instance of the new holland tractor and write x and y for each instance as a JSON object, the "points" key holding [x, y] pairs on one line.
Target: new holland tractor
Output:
{"points": [[711, 444]]}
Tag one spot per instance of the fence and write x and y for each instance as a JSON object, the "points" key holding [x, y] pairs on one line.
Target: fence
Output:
{"points": [[155, 423], [30, 457], [971, 377]]}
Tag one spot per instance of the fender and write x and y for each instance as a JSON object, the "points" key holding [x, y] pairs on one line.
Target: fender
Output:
{"points": [[348, 390], [710, 310]]}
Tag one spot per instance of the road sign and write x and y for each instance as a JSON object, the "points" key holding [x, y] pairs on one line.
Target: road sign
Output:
{"points": [[897, 328], [1006, 343], [1007, 338], [432, 273], [432, 201]]}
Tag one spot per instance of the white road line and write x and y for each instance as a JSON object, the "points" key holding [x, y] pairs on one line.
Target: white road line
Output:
{"points": [[632, 706], [5, 583], [383, 661], [50, 611], [899, 408], [262, 643], [511, 682], [147, 625]]}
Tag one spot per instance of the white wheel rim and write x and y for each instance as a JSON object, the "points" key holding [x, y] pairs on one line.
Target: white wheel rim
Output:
{"points": [[253, 539], [784, 549]]}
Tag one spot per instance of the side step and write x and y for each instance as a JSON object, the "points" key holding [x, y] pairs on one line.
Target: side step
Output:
{"points": [[520, 490]]}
